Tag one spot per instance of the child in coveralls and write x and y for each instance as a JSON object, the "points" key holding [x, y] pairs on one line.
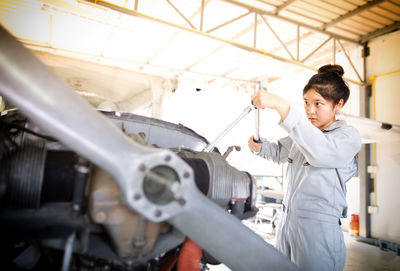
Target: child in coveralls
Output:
{"points": [[321, 152]]}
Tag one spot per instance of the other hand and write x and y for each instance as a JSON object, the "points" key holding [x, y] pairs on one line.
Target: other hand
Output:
{"points": [[254, 146]]}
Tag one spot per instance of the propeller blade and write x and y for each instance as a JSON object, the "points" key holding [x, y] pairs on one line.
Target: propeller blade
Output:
{"points": [[226, 238]]}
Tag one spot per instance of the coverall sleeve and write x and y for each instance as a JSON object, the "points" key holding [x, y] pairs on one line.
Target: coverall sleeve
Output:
{"points": [[277, 152], [332, 149]]}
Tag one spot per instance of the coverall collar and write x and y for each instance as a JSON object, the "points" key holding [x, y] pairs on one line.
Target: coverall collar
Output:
{"points": [[335, 125]]}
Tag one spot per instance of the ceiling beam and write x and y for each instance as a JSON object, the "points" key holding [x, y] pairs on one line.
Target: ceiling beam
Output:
{"points": [[351, 13], [272, 14], [283, 6], [380, 32]]}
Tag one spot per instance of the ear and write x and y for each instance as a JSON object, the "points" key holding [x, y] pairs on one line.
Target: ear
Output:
{"points": [[339, 105]]}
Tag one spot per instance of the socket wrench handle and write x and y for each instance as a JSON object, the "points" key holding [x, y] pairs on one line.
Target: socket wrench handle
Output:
{"points": [[256, 137], [211, 146]]}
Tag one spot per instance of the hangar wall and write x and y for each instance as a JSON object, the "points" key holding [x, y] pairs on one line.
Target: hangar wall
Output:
{"points": [[383, 63]]}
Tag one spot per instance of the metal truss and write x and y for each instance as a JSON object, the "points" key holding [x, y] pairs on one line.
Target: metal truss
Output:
{"points": [[260, 17]]}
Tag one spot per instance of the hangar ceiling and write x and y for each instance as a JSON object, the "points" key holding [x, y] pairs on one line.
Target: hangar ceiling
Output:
{"points": [[117, 51], [217, 42]]}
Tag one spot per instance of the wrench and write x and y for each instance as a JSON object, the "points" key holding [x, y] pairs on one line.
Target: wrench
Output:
{"points": [[256, 137], [211, 146]]}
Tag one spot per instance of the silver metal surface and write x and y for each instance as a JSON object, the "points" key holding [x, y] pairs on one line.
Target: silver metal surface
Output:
{"points": [[132, 235], [28, 84], [69, 246], [257, 124], [159, 133], [257, 118], [226, 182], [211, 146]]}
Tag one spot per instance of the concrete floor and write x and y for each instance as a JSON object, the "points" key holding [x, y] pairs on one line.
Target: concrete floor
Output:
{"points": [[359, 256], [366, 257]]}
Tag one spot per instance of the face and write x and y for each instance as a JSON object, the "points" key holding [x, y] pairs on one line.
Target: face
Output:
{"points": [[320, 112]]}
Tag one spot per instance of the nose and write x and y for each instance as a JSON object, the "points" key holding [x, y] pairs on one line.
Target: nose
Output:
{"points": [[310, 109]]}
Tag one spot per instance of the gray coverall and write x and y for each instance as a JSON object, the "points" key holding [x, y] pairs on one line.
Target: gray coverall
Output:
{"points": [[320, 164]]}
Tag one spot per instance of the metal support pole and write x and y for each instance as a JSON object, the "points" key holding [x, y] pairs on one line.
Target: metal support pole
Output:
{"points": [[365, 180], [298, 43], [364, 159], [202, 15], [255, 30], [334, 51]]}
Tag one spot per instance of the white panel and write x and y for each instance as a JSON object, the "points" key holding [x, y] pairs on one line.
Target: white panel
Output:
{"points": [[385, 58], [385, 223], [388, 98]]}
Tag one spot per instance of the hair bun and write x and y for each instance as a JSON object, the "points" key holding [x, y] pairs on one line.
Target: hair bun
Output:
{"points": [[332, 68]]}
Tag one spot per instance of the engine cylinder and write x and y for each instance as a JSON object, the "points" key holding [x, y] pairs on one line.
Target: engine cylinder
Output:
{"points": [[222, 183], [22, 174]]}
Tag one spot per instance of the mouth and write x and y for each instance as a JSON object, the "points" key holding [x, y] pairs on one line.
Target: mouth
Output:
{"points": [[312, 119]]}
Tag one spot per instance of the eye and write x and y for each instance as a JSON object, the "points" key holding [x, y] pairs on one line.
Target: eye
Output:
{"points": [[305, 102], [319, 104]]}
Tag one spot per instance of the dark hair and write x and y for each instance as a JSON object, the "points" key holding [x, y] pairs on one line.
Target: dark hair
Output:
{"points": [[328, 82]]}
